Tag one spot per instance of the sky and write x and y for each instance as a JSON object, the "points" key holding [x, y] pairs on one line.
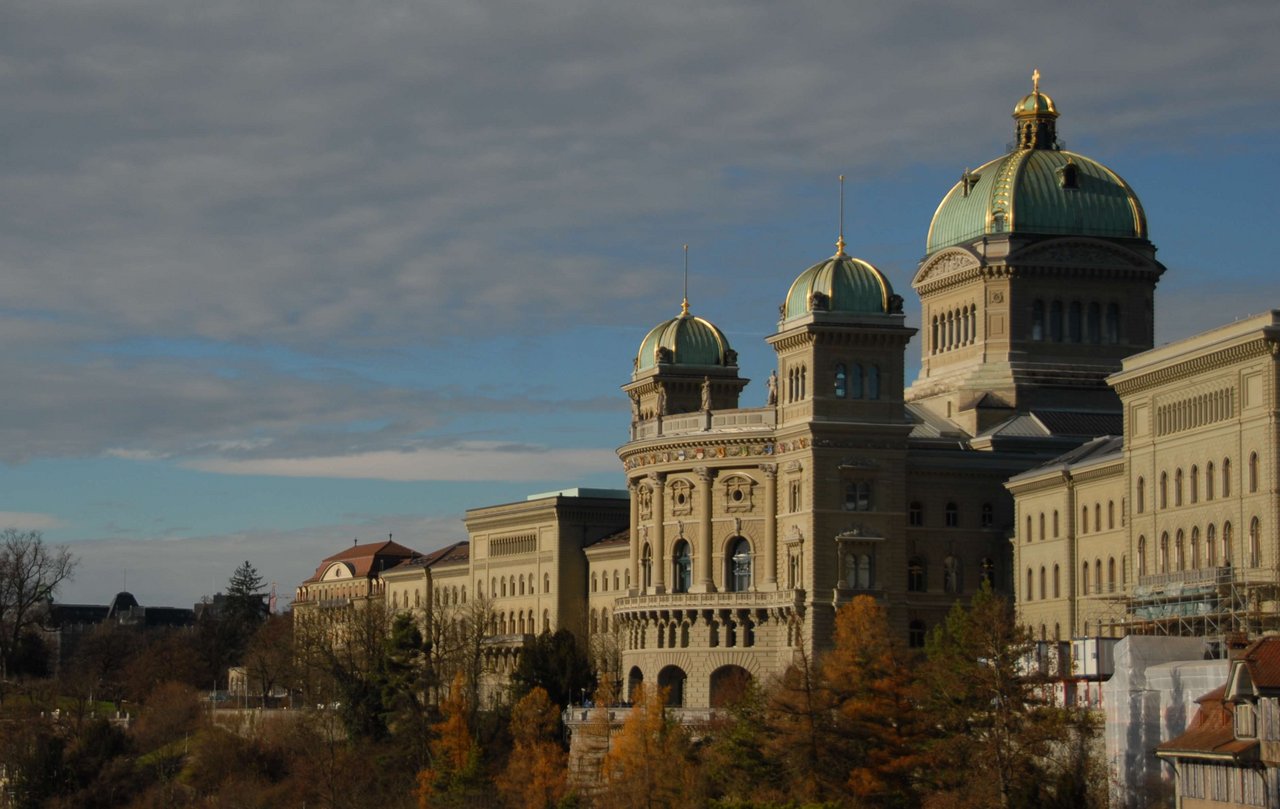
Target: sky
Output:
{"points": [[277, 277]]}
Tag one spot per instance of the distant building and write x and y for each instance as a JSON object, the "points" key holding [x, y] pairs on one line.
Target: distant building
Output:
{"points": [[64, 625]]}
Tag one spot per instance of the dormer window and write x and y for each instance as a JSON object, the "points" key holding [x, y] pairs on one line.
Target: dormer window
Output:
{"points": [[1069, 176]]}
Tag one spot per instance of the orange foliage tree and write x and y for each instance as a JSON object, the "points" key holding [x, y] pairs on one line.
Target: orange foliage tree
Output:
{"points": [[536, 774], [648, 766], [455, 759]]}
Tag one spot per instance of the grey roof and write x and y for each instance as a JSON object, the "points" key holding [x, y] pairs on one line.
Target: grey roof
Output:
{"points": [[1099, 449], [1057, 423], [928, 424]]}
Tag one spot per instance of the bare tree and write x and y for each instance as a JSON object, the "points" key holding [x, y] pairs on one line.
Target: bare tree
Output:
{"points": [[30, 572]]}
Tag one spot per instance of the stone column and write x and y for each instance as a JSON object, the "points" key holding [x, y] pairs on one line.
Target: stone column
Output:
{"points": [[658, 484], [703, 582], [634, 539], [770, 525]]}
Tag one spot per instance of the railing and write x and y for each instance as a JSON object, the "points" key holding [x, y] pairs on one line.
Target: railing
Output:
{"points": [[729, 600], [691, 423], [1202, 576]]}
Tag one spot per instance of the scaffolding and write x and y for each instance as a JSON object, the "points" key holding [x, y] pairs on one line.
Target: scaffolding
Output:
{"points": [[1216, 604]]}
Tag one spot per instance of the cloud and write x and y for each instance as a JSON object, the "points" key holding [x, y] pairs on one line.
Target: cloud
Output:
{"points": [[28, 521], [465, 461]]}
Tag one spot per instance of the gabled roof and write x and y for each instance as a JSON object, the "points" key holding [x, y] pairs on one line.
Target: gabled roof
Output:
{"points": [[1211, 733], [364, 559], [457, 553], [623, 537]]}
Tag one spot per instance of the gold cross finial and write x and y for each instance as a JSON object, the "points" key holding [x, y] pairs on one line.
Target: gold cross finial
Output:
{"points": [[1035, 80]]}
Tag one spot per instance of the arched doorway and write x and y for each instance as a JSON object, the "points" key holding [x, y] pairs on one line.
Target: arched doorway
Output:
{"points": [[672, 679], [634, 679], [738, 572], [729, 685]]}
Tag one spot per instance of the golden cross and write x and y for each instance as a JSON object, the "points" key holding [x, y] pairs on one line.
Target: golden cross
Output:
{"points": [[1035, 80]]}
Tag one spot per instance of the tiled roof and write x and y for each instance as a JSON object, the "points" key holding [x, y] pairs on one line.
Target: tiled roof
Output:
{"points": [[1211, 732], [623, 537], [364, 558], [456, 553], [1070, 422], [1262, 658]]}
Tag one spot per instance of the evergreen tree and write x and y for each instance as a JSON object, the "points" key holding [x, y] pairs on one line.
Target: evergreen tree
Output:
{"points": [[556, 664]]}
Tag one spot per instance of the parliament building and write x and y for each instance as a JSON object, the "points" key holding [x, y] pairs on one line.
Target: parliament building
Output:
{"points": [[742, 530]]}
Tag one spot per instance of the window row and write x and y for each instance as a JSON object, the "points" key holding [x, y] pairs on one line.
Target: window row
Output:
{"points": [[1097, 517], [599, 620], [518, 623], [797, 383], [950, 515], [954, 329], [1075, 322], [1197, 411], [513, 586], [1191, 483], [1177, 554], [851, 382], [1091, 579], [600, 580], [444, 596], [417, 598], [952, 574]]}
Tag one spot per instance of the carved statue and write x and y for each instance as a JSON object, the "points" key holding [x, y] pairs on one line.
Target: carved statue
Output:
{"points": [[662, 399], [706, 394], [773, 389], [635, 408]]}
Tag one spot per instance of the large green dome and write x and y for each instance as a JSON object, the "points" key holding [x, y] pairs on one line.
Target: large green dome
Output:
{"points": [[839, 284], [685, 340], [1038, 188]]}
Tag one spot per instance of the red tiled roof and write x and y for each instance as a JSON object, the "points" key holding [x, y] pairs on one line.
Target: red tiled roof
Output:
{"points": [[364, 558], [620, 538], [1262, 659], [1212, 730], [456, 553]]}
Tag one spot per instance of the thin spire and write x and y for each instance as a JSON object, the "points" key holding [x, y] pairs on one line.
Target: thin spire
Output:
{"points": [[684, 305], [840, 240]]}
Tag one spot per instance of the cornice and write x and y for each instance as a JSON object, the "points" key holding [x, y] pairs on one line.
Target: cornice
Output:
{"points": [[1127, 383]]}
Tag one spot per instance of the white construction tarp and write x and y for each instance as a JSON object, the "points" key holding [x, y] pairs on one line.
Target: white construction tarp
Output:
{"points": [[1150, 699]]}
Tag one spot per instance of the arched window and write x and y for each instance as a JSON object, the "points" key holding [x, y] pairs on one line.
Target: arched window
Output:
{"points": [[504, 587], [1164, 553], [1057, 581], [1255, 543], [1141, 495], [739, 578], [1084, 578], [915, 635], [951, 575], [1028, 539], [1179, 557], [1208, 481], [855, 381], [682, 567], [1097, 575], [1177, 487], [546, 620], [873, 381], [1142, 556], [604, 619], [1037, 320], [1195, 484], [1042, 589], [1055, 321], [1095, 323], [1253, 472], [952, 515], [1113, 323], [546, 582], [1030, 593], [917, 580], [1042, 526], [1111, 574], [1055, 523], [646, 566], [1195, 548], [1211, 546], [1097, 516], [915, 513], [593, 582], [1164, 490], [1226, 477], [1084, 519], [841, 382], [1074, 322], [1111, 514], [1226, 544]]}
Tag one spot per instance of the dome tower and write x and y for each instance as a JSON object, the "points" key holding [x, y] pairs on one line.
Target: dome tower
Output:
{"points": [[1038, 279]]}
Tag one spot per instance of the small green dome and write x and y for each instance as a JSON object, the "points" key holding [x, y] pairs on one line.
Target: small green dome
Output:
{"points": [[685, 340], [1038, 188], [839, 284]]}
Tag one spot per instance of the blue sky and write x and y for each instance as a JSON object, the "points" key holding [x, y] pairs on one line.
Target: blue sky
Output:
{"points": [[272, 279]]}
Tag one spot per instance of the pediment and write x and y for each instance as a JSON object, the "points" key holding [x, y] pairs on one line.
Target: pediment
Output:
{"points": [[949, 261], [1078, 253]]}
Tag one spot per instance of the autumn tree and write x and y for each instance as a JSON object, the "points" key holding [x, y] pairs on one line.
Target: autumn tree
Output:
{"points": [[455, 758], [648, 765], [875, 701], [735, 762], [535, 777], [268, 658], [801, 732], [30, 573], [408, 682]]}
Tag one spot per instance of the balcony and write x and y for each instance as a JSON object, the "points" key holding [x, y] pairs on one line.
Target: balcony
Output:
{"points": [[751, 599], [725, 421]]}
